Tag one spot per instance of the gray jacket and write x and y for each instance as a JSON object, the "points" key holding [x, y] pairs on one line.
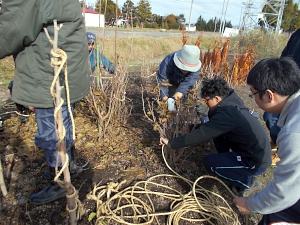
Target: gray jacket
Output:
{"points": [[22, 35], [283, 191]]}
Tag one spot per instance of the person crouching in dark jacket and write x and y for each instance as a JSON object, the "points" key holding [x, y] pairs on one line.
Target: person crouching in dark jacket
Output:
{"points": [[241, 141]]}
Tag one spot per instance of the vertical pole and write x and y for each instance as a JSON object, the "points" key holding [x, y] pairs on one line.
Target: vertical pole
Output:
{"points": [[190, 15], [223, 26], [220, 29]]}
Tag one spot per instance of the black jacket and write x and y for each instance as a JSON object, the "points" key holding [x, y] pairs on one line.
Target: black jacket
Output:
{"points": [[292, 49], [232, 126]]}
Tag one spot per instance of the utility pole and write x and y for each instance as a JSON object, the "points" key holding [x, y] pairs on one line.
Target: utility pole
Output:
{"points": [[190, 15], [221, 23], [223, 26]]}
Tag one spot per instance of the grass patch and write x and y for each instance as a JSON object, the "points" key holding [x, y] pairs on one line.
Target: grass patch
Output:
{"points": [[6, 71]]}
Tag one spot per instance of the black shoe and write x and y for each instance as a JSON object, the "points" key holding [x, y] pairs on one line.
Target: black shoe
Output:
{"points": [[49, 194]]}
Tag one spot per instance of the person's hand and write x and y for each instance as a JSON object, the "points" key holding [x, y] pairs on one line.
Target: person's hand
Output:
{"points": [[163, 141], [31, 108], [241, 204], [177, 95], [165, 98]]}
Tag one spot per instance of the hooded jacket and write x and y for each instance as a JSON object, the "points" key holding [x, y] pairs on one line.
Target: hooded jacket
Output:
{"points": [[22, 35], [236, 128], [283, 191]]}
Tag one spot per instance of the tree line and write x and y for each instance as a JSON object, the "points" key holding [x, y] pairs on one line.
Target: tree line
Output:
{"points": [[141, 15]]}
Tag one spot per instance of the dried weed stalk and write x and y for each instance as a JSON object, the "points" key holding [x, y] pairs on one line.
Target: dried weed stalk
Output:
{"points": [[214, 63], [107, 100]]}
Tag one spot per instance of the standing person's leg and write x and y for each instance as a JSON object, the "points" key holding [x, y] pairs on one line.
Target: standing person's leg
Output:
{"points": [[46, 138]]}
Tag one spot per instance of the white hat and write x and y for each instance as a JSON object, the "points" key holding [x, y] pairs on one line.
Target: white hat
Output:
{"points": [[188, 58]]}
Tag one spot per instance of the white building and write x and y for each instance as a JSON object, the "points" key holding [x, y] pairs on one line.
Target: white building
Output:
{"points": [[93, 18], [191, 28]]}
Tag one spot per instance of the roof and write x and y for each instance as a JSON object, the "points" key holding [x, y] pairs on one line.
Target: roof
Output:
{"points": [[90, 11]]}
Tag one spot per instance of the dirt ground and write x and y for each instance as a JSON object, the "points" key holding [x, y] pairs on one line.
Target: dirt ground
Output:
{"points": [[134, 156]]}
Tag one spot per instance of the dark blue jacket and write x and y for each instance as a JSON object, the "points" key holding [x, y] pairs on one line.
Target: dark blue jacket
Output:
{"points": [[106, 64], [292, 49], [233, 127], [170, 73]]}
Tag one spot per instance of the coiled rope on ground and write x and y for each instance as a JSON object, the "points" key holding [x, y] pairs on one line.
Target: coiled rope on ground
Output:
{"points": [[135, 205]]}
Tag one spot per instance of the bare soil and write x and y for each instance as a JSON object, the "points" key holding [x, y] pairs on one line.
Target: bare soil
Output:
{"points": [[135, 155]]}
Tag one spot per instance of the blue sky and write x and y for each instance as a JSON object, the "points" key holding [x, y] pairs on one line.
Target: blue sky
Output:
{"points": [[206, 8]]}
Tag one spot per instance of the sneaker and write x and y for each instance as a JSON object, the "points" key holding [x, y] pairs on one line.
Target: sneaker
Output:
{"points": [[255, 186], [49, 194]]}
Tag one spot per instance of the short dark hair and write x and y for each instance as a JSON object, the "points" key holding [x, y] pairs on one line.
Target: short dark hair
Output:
{"points": [[216, 86], [280, 75]]}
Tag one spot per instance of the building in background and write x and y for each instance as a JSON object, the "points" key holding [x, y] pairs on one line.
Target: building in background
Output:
{"points": [[93, 18]]}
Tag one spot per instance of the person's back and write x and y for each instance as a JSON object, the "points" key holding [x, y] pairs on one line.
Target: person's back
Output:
{"points": [[240, 130], [31, 49], [22, 35]]}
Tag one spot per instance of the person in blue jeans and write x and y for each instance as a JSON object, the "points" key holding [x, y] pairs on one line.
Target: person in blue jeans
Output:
{"points": [[242, 143], [275, 86], [23, 37], [292, 50]]}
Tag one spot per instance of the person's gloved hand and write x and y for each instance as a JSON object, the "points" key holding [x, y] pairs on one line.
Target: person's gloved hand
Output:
{"points": [[171, 104], [204, 119]]}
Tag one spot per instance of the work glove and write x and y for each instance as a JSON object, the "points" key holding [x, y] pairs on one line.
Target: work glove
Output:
{"points": [[171, 104]]}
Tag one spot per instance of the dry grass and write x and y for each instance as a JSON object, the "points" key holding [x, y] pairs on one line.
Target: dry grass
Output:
{"points": [[265, 44]]}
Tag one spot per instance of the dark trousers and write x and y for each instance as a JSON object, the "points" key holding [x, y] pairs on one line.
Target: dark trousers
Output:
{"points": [[233, 168], [271, 123], [290, 215]]}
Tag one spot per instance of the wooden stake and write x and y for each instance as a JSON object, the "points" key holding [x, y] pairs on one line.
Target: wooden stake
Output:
{"points": [[2, 183], [62, 146]]}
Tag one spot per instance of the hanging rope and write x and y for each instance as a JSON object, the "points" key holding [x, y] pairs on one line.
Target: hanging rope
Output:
{"points": [[136, 204], [59, 60]]}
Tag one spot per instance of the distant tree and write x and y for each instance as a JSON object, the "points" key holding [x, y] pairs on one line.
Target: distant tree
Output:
{"points": [[290, 21], [289, 16], [172, 22], [158, 19], [210, 26], [201, 24], [110, 9], [180, 18], [165, 25], [143, 11], [128, 8]]}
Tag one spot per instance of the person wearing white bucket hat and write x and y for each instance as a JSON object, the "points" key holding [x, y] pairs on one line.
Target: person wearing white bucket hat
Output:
{"points": [[178, 73]]}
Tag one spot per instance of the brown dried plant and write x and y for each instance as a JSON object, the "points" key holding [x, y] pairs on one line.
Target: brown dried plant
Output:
{"points": [[171, 124], [214, 63], [107, 100], [184, 37]]}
